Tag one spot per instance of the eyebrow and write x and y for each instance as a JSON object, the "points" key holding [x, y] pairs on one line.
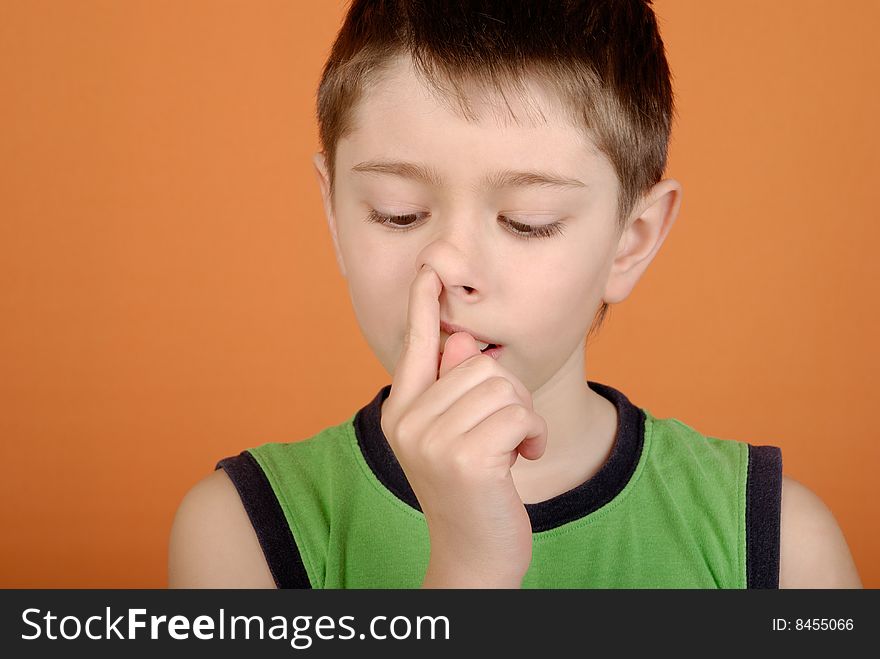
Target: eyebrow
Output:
{"points": [[506, 178]]}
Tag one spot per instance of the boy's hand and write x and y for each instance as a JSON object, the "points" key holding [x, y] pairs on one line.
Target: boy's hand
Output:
{"points": [[456, 434]]}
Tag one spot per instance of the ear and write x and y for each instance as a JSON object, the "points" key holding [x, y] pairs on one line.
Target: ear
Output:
{"points": [[645, 231], [324, 182]]}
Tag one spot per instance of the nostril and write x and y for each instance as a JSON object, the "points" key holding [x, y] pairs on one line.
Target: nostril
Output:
{"points": [[468, 289]]}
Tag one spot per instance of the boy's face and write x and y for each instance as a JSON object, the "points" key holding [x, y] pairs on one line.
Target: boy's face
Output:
{"points": [[536, 297]]}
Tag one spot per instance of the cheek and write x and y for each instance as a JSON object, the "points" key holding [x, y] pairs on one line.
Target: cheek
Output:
{"points": [[374, 307], [379, 292], [380, 308], [562, 307]]}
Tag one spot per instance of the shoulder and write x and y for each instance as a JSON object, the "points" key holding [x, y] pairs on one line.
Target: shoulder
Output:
{"points": [[812, 550], [213, 543]]}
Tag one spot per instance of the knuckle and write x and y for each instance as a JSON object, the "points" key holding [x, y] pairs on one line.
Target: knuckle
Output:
{"points": [[500, 385], [463, 462], [405, 428], [519, 414]]}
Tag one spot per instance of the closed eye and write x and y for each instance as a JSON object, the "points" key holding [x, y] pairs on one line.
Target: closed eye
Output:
{"points": [[526, 231]]}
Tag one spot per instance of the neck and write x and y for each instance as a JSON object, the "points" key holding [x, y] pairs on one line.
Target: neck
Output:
{"points": [[581, 426]]}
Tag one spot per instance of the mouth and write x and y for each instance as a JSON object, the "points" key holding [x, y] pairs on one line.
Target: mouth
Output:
{"points": [[451, 329], [491, 349], [485, 345], [494, 351]]}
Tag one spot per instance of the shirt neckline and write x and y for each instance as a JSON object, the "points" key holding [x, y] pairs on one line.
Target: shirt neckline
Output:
{"points": [[574, 504]]}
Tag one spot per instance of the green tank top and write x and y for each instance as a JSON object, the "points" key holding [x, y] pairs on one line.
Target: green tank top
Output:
{"points": [[670, 508]]}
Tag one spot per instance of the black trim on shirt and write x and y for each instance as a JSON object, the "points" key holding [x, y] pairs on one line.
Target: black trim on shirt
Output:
{"points": [[578, 502], [267, 517], [763, 492], [763, 514]]}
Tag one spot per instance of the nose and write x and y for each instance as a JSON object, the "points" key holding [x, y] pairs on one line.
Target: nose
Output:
{"points": [[454, 255]]}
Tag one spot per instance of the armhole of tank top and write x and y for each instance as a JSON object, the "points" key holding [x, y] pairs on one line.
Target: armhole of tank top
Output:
{"points": [[763, 511], [267, 517]]}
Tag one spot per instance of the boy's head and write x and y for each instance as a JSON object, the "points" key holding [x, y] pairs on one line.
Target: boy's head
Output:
{"points": [[441, 112]]}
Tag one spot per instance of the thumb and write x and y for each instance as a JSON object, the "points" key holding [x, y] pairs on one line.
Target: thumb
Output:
{"points": [[459, 347]]}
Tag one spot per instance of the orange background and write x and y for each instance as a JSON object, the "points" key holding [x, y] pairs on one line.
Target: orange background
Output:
{"points": [[169, 294]]}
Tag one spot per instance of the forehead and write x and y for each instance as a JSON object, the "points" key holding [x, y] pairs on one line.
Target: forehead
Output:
{"points": [[402, 117]]}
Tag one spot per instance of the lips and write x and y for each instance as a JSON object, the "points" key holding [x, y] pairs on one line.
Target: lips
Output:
{"points": [[449, 329]]}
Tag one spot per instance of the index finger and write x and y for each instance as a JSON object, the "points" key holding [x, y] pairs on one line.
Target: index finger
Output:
{"points": [[417, 366]]}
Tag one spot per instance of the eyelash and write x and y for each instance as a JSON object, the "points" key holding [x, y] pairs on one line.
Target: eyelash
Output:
{"points": [[543, 231]]}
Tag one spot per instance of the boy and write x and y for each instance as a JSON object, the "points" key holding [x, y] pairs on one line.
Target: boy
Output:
{"points": [[492, 175]]}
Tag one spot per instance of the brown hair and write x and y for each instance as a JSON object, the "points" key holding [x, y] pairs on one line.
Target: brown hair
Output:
{"points": [[604, 59]]}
